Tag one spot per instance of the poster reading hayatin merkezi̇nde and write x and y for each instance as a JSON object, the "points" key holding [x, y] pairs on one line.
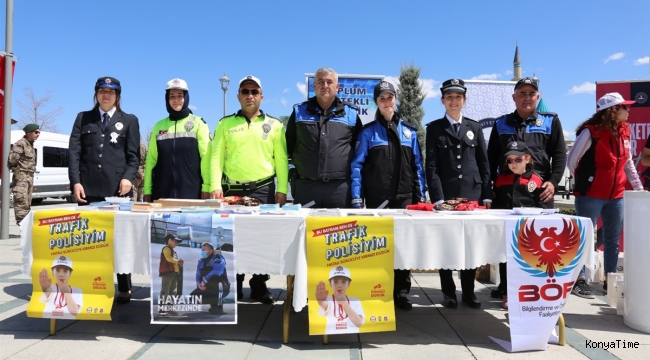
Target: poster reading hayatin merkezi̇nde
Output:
{"points": [[350, 274], [192, 269], [72, 271], [544, 258]]}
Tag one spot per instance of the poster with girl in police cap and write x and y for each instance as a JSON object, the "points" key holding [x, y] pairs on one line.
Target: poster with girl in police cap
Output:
{"points": [[350, 274], [72, 270]]}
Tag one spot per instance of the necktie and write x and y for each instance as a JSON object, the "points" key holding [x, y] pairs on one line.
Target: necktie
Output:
{"points": [[106, 120], [457, 128]]}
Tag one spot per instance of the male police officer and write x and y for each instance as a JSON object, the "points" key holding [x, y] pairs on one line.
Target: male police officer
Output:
{"points": [[248, 151], [457, 166], [321, 134], [22, 162], [138, 182], [541, 131]]}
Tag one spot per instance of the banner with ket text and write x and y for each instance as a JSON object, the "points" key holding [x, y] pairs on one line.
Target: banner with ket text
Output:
{"points": [[545, 255], [72, 271], [350, 274]]}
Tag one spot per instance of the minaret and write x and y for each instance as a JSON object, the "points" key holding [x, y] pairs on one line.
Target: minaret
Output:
{"points": [[516, 65]]}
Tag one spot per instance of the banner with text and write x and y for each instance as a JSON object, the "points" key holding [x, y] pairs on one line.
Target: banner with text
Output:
{"points": [[72, 272], [544, 256], [358, 90], [350, 271], [192, 269]]}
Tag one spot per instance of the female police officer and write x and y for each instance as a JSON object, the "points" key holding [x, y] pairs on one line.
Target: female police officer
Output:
{"points": [[387, 166], [104, 153]]}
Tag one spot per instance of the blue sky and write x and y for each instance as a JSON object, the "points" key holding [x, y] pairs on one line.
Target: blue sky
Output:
{"points": [[64, 46]]}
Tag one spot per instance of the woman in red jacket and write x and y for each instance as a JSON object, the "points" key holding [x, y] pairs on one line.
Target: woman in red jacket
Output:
{"points": [[601, 163]]}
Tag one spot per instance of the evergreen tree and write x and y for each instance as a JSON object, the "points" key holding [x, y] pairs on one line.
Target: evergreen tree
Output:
{"points": [[411, 98]]}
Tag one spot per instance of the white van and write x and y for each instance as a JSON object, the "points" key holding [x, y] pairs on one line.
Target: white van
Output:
{"points": [[51, 175]]}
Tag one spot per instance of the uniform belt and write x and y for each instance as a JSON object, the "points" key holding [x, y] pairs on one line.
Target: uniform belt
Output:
{"points": [[323, 179], [249, 185]]}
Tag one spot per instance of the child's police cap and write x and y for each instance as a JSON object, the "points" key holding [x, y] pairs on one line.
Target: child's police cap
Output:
{"points": [[517, 148]]}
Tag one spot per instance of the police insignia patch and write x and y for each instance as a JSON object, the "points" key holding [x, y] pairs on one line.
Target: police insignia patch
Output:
{"points": [[119, 126], [407, 133], [470, 135], [532, 186], [538, 122], [266, 128], [189, 126]]}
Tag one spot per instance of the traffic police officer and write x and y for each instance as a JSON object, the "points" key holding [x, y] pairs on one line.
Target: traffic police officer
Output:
{"points": [[457, 166], [22, 162], [178, 162], [248, 151], [387, 166], [104, 154], [321, 134]]}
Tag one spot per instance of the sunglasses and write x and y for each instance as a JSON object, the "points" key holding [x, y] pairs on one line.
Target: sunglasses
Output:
{"points": [[518, 160], [248, 91]]}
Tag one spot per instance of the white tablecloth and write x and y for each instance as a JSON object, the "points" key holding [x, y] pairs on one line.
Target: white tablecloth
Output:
{"points": [[275, 244]]}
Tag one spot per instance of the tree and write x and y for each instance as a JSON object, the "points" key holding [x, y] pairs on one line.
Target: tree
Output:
{"points": [[410, 98], [285, 120], [33, 111]]}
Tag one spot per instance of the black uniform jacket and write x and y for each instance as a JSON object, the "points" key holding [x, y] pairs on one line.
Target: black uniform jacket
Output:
{"points": [[457, 164], [99, 159]]}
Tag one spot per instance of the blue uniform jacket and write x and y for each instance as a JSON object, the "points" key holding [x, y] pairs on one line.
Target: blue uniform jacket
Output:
{"points": [[376, 156], [214, 265]]}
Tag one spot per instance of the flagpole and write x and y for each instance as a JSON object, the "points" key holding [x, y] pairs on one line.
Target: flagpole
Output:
{"points": [[6, 134]]}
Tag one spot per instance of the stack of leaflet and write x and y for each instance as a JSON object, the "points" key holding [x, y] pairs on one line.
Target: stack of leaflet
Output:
{"points": [[145, 207], [197, 209], [325, 212], [291, 207]]}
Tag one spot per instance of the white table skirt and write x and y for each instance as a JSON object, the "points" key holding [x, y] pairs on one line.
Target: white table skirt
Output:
{"points": [[275, 244]]}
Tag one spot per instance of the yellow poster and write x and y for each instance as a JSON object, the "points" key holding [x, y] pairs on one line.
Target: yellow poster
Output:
{"points": [[72, 272], [350, 274]]}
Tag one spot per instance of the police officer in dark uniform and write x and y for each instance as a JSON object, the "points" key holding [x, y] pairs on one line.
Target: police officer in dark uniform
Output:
{"points": [[104, 155], [457, 166], [541, 131], [321, 134]]}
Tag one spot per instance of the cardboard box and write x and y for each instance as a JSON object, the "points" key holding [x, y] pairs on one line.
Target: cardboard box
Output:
{"points": [[620, 297], [494, 273], [612, 289]]}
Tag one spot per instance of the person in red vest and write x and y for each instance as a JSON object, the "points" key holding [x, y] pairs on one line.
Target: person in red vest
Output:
{"points": [[169, 270], [601, 163]]}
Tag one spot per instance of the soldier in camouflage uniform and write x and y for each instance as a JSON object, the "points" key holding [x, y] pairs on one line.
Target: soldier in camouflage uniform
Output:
{"points": [[138, 183], [22, 162]]}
